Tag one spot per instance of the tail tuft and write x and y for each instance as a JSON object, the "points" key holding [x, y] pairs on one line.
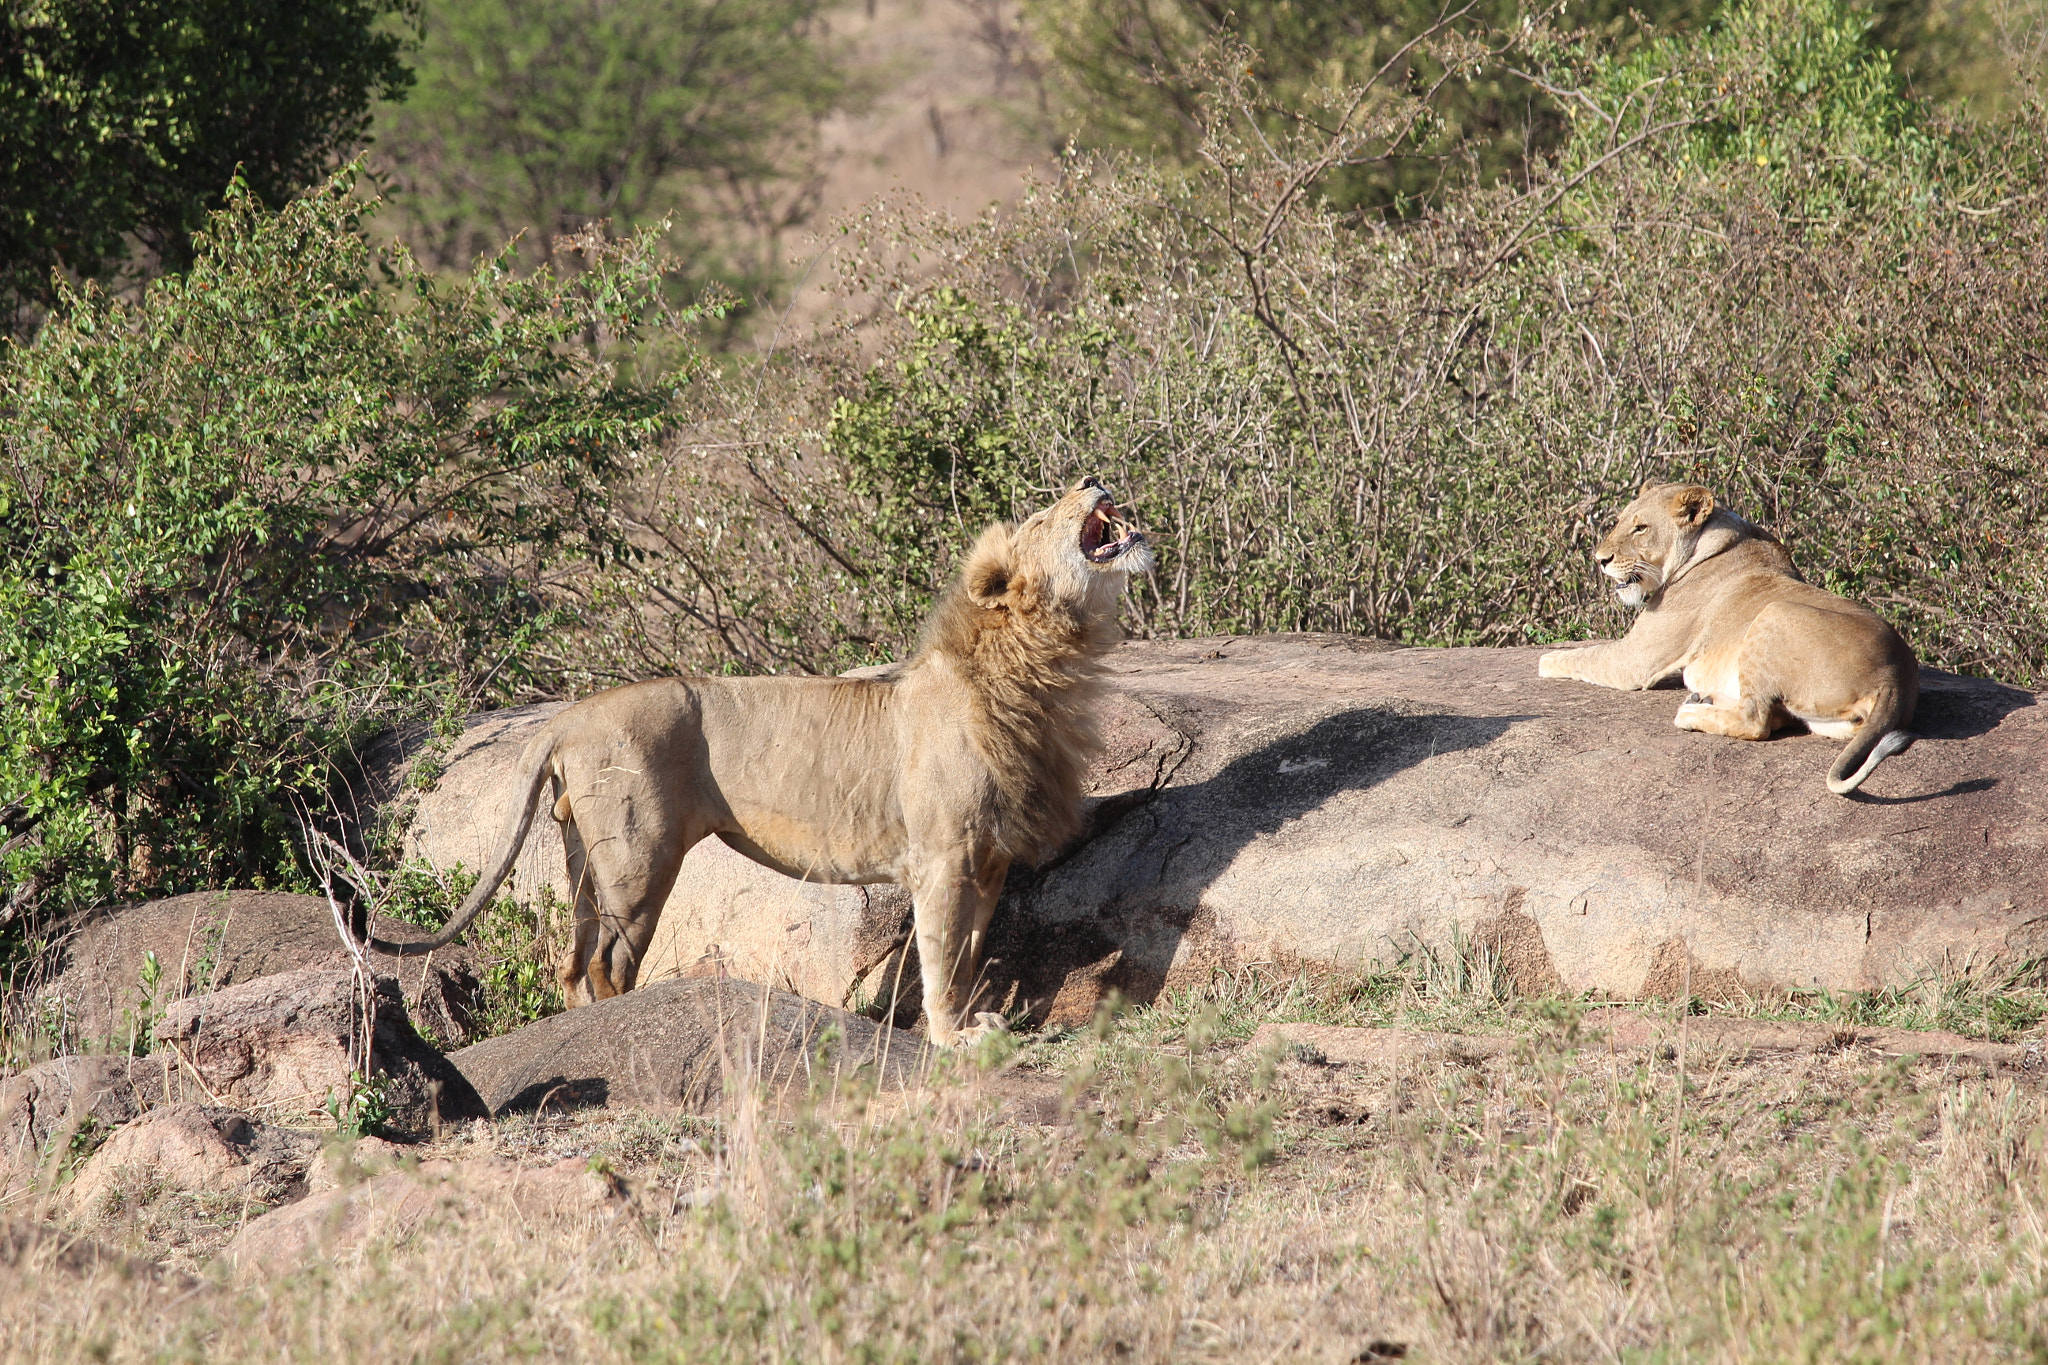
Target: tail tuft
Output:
{"points": [[1892, 742]]}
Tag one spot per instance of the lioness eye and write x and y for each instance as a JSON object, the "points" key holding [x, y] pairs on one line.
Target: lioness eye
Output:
{"points": [[1641, 527]]}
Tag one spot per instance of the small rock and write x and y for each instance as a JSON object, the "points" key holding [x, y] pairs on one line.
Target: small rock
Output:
{"points": [[210, 940], [281, 1044], [676, 1044], [391, 1206], [190, 1148], [67, 1101], [341, 1164]]}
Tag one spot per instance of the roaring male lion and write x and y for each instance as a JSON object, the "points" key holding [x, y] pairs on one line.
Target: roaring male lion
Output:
{"points": [[1757, 645], [934, 779]]}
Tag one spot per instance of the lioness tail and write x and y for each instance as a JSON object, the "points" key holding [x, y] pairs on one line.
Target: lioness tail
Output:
{"points": [[1883, 734], [519, 820]]}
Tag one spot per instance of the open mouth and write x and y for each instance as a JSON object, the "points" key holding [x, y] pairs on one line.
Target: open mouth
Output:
{"points": [[1105, 535]]}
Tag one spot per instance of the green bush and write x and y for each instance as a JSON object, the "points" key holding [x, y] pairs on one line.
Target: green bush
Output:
{"points": [[276, 499], [544, 117], [1138, 74], [517, 940], [121, 120]]}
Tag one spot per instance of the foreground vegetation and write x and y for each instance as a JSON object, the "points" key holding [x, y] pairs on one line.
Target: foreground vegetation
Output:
{"points": [[1200, 1199], [307, 489]]}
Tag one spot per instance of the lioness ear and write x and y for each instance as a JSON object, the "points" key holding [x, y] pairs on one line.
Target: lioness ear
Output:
{"points": [[987, 573], [1691, 505]]}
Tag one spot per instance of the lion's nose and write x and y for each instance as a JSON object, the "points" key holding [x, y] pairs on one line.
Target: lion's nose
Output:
{"points": [[1603, 559]]}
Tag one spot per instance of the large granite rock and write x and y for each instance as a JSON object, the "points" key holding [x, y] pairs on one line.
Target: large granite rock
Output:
{"points": [[1331, 803], [682, 1045], [213, 939]]}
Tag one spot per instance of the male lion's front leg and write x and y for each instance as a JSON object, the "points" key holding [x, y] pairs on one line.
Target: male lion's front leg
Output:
{"points": [[952, 901]]}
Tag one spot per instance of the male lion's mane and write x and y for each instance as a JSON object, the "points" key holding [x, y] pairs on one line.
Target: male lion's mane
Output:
{"points": [[1034, 668]]}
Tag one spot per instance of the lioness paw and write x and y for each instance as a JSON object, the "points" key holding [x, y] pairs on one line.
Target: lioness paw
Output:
{"points": [[1555, 664], [1693, 714]]}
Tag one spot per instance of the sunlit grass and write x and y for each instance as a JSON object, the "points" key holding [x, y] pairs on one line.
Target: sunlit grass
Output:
{"points": [[1205, 1200]]}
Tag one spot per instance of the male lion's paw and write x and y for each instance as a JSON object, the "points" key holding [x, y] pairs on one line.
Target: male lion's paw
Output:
{"points": [[987, 1024], [983, 1026]]}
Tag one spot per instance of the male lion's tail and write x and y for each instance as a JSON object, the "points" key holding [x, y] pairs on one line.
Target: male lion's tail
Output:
{"points": [[1883, 734], [534, 766]]}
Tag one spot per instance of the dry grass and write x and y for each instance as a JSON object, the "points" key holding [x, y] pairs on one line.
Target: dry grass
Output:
{"points": [[1196, 1201]]}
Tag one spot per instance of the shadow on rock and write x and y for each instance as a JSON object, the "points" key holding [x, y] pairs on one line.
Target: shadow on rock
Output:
{"points": [[1956, 707], [1974, 785], [1953, 707], [1112, 913]]}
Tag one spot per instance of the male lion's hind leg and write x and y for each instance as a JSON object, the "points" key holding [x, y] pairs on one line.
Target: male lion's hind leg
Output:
{"points": [[620, 889], [572, 972], [622, 941]]}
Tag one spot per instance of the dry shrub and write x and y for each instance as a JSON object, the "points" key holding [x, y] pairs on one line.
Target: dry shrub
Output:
{"points": [[1759, 265]]}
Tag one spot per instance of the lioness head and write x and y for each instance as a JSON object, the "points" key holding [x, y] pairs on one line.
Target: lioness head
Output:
{"points": [[1653, 538], [1076, 555]]}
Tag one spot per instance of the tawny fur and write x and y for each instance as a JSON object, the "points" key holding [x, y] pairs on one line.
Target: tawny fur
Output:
{"points": [[974, 755], [1724, 608]]}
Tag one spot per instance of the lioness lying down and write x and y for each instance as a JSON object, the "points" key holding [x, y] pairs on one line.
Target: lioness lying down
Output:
{"points": [[1758, 645], [934, 779]]}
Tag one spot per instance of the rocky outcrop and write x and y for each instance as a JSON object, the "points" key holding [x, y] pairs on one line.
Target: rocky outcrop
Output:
{"points": [[67, 1101], [388, 1207], [213, 939], [192, 1148], [287, 1044], [1330, 803], [681, 1045]]}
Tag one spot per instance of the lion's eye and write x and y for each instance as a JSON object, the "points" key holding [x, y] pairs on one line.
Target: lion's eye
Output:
{"points": [[1640, 528]]}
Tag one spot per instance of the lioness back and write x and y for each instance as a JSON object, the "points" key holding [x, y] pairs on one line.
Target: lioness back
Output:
{"points": [[1723, 607]]}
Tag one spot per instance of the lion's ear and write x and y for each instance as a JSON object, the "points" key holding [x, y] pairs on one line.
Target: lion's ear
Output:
{"points": [[1691, 505], [987, 573]]}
